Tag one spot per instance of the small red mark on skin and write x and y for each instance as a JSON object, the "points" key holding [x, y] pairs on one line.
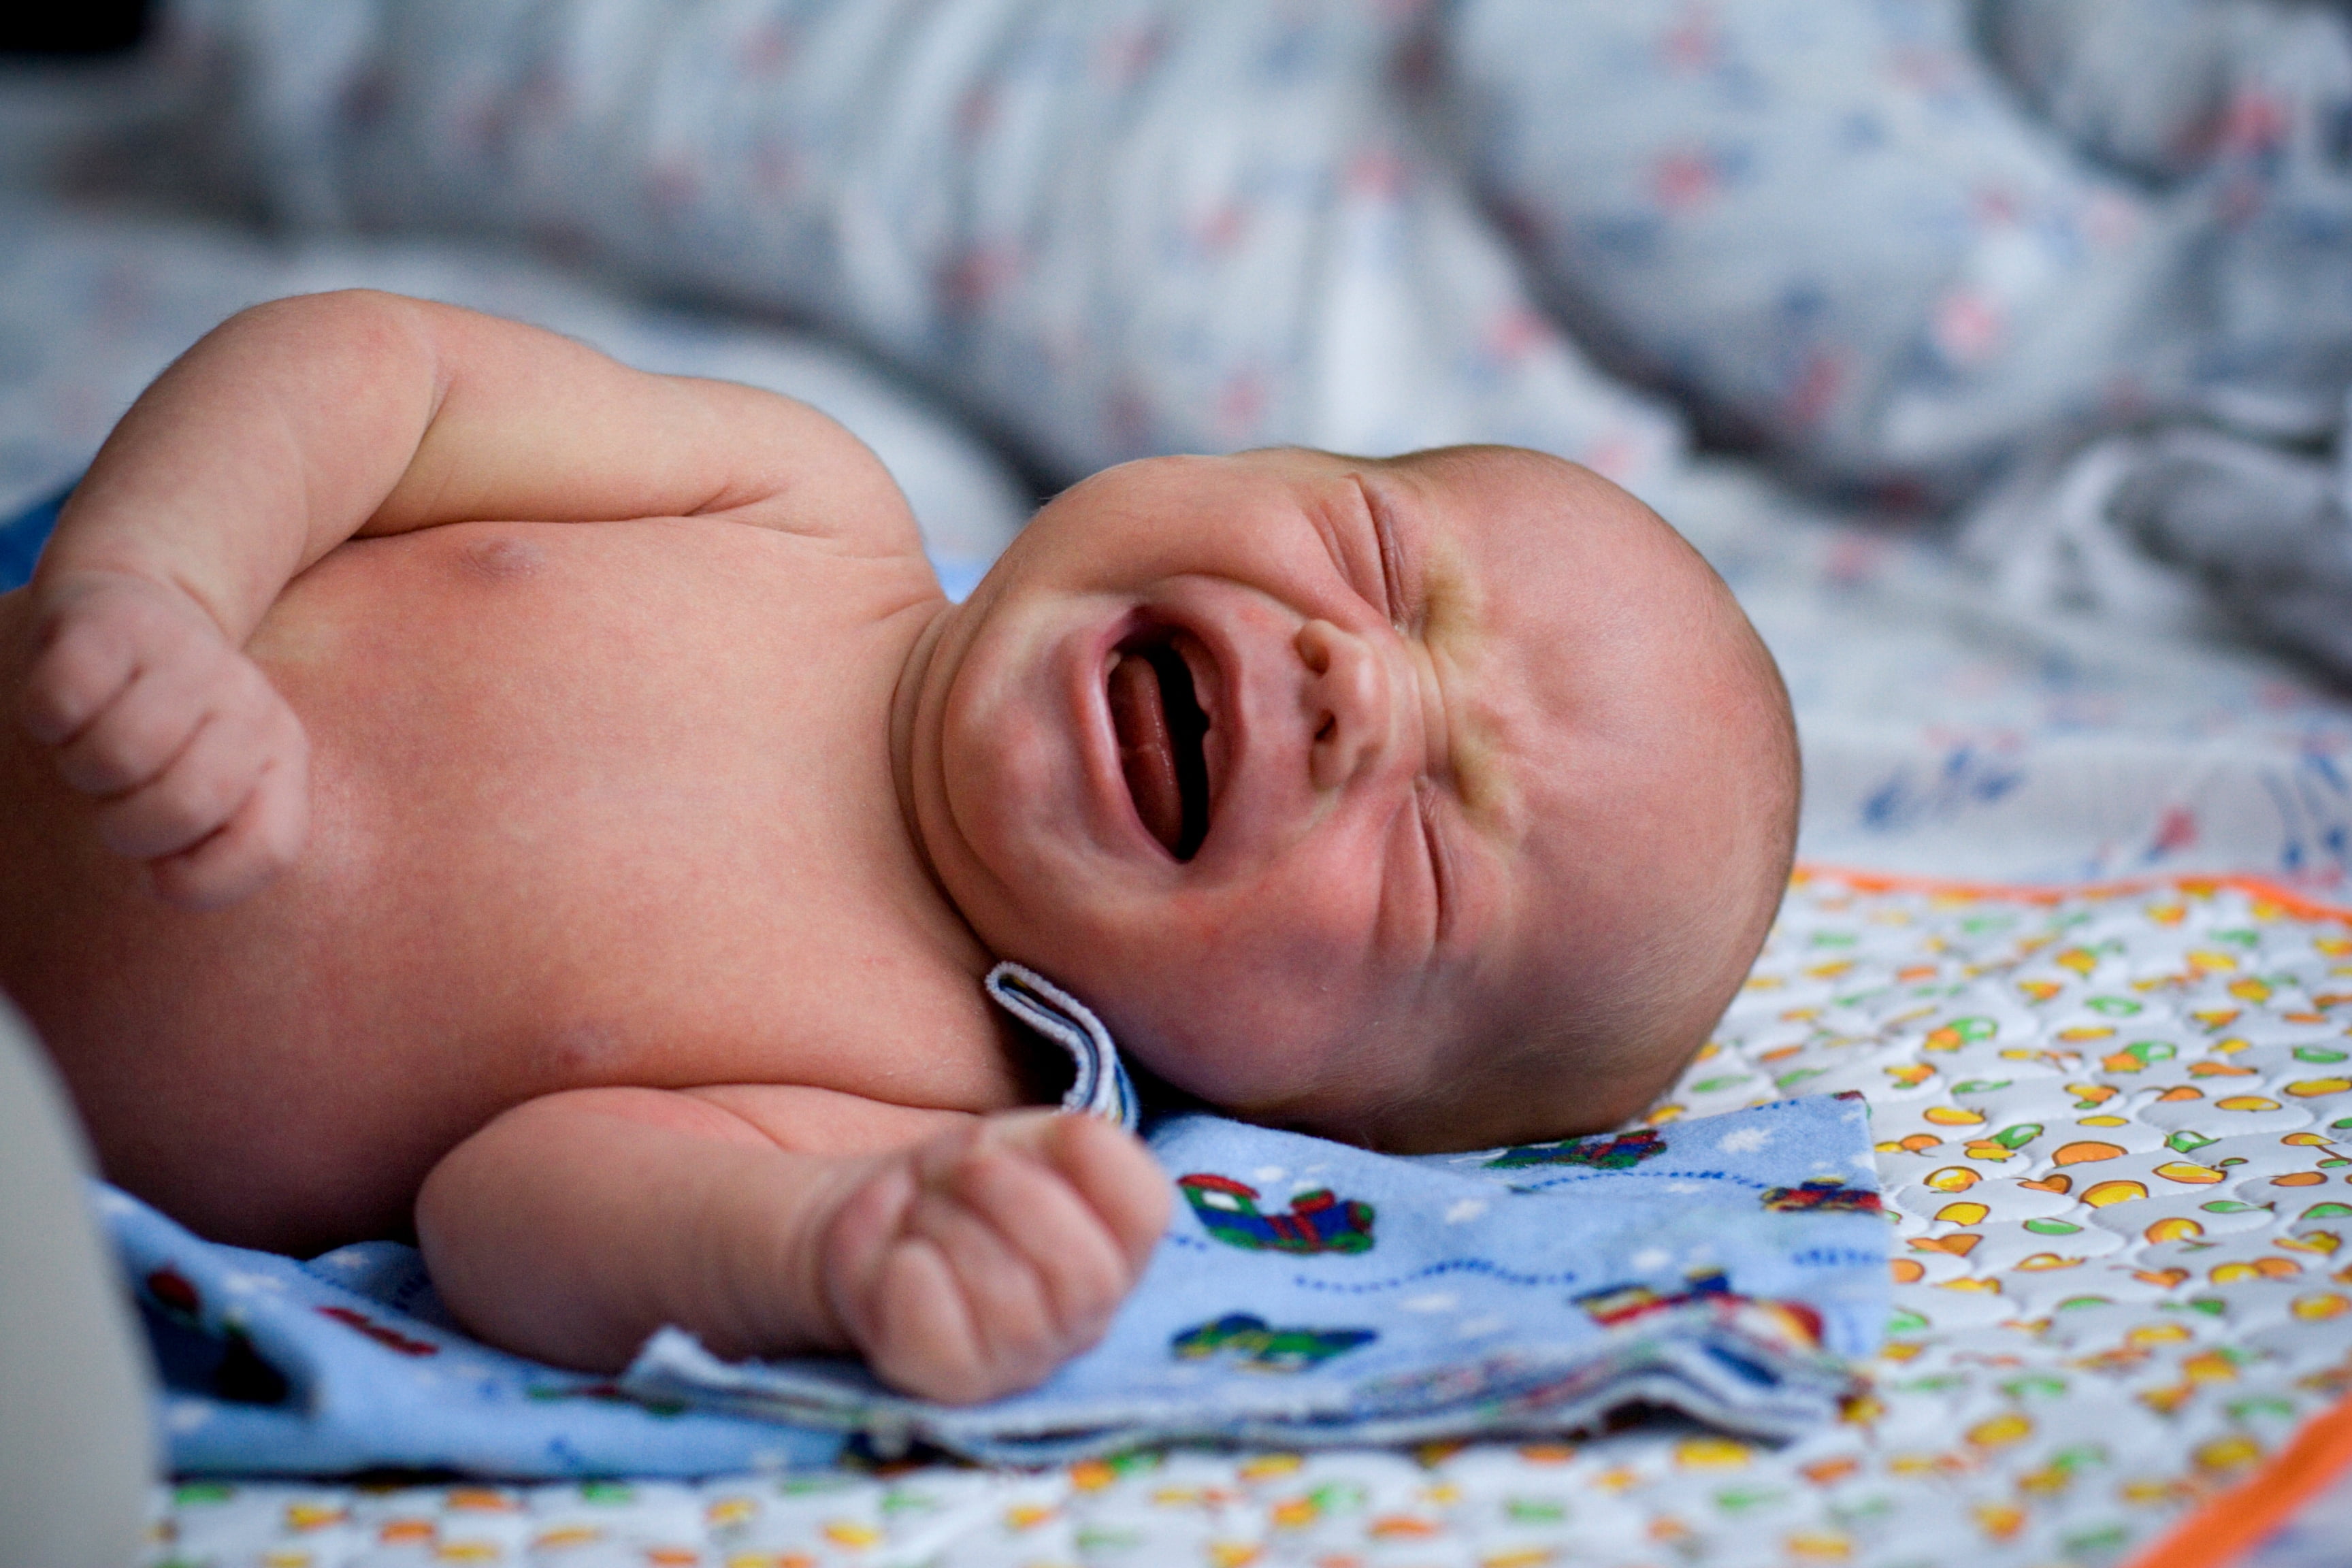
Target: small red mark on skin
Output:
{"points": [[577, 1051], [500, 559]]}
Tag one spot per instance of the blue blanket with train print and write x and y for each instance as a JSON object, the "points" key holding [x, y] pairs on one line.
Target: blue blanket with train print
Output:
{"points": [[1312, 1294]]}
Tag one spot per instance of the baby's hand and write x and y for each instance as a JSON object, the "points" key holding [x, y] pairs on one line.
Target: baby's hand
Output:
{"points": [[973, 1265], [198, 765]]}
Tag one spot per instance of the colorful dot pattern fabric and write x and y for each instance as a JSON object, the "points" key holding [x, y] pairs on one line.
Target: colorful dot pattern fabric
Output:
{"points": [[2109, 1126]]}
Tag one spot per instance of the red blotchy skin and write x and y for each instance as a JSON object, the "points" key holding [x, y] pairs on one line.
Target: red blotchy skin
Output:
{"points": [[1147, 755]]}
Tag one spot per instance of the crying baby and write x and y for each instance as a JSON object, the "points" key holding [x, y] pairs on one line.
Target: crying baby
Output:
{"points": [[461, 786]]}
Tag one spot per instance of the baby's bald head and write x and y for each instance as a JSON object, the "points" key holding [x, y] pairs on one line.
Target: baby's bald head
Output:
{"points": [[1430, 802]]}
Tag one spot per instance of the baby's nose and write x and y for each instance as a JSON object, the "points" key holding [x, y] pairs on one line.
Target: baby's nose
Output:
{"points": [[1348, 714]]}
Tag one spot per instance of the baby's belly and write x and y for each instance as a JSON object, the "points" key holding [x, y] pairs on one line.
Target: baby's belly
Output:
{"points": [[572, 789]]}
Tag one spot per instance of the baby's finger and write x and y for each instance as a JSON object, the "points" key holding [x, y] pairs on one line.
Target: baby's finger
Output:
{"points": [[1117, 1175], [924, 1339], [193, 796], [261, 839], [134, 738], [1081, 1269], [1013, 1321], [86, 664]]}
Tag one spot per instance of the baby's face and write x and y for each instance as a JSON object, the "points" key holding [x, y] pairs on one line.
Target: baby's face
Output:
{"points": [[1297, 767]]}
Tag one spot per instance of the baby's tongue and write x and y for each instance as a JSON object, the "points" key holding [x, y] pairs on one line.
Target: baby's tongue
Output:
{"points": [[1146, 756]]}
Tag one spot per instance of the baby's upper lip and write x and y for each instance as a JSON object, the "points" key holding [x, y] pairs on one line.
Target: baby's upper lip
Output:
{"points": [[1210, 690]]}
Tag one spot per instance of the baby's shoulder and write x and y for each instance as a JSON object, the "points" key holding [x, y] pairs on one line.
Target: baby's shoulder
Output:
{"points": [[803, 471]]}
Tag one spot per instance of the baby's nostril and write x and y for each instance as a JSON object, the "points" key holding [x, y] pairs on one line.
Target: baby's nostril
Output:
{"points": [[1329, 725], [1314, 652]]}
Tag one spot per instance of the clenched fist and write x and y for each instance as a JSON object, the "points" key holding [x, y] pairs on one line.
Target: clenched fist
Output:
{"points": [[198, 767]]}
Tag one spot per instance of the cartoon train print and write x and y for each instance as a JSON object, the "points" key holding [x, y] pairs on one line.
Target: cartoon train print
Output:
{"points": [[1316, 1221], [1821, 1194], [1257, 1346], [1613, 1306], [1621, 1152]]}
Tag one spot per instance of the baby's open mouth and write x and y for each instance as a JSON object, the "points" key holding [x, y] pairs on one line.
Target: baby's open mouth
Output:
{"points": [[1160, 727]]}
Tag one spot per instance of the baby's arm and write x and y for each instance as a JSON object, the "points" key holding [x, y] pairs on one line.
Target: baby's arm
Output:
{"points": [[963, 1257], [293, 428]]}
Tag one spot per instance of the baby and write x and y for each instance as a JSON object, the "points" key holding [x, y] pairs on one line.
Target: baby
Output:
{"points": [[581, 823]]}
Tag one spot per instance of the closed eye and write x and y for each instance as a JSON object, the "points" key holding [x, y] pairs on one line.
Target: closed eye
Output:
{"points": [[1384, 541], [1432, 838]]}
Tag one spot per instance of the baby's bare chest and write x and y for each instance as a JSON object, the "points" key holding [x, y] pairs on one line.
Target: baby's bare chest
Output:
{"points": [[591, 805], [646, 767]]}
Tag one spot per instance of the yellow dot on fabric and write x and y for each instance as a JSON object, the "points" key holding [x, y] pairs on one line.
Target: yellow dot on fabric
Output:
{"points": [[2319, 1306], [2106, 1194], [1999, 1520], [2245, 1102], [2189, 1174], [566, 1535], [1710, 1454], [2312, 1087], [1953, 1116], [1961, 1214], [1817, 1546], [1952, 1179], [2084, 1152], [2156, 1334], [1524, 1557], [2227, 1453], [2001, 1430], [2175, 1230]]}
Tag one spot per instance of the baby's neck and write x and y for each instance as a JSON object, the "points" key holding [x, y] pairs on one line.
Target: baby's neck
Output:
{"points": [[906, 699]]}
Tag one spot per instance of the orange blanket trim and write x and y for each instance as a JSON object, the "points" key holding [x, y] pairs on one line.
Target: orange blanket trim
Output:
{"points": [[2301, 905], [2217, 1533]]}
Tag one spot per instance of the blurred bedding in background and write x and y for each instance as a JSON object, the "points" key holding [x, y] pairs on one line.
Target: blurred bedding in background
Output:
{"points": [[2017, 366], [1996, 350]]}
